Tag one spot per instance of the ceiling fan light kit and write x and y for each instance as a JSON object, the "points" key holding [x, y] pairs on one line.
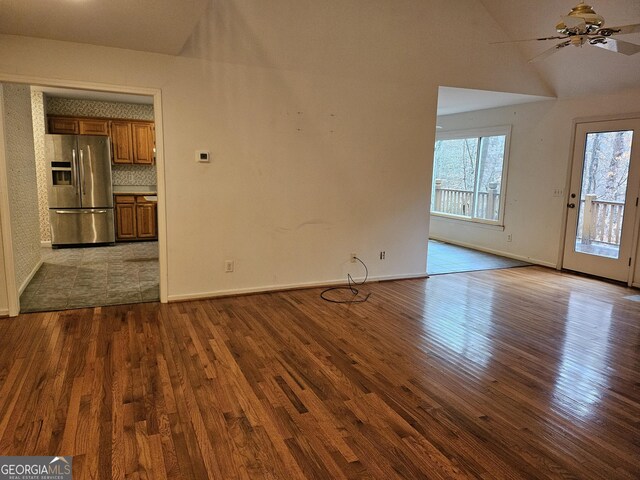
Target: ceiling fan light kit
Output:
{"points": [[583, 26]]}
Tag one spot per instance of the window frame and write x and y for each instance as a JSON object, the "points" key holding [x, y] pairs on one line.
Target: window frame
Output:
{"points": [[476, 133]]}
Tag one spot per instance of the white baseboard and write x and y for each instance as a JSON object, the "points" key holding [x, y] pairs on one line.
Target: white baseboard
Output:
{"points": [[281, 288], [536, 261], [29, 277], [388, 278], [45, 244], [635, 285], [4, 312]]}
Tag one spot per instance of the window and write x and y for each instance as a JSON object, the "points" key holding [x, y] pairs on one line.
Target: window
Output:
{"points": [[469, 174]]}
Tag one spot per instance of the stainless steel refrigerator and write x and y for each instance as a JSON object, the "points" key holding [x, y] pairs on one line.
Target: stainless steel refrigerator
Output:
{"points": [[80, 192]]}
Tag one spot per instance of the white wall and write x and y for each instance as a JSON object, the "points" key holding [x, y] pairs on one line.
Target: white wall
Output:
{"points": [[320, 148], [538, 164], [21, 176]]}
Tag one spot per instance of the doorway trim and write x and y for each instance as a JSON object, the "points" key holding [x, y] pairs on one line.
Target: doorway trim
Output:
{"points": [[13, 299], [631, 281], [7, 239]]}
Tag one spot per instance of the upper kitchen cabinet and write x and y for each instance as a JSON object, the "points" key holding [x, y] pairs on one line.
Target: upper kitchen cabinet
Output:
{"points": [[64, 125], [82, 126], [133, 142], [122, 146], [93, 127], [143, 142]]}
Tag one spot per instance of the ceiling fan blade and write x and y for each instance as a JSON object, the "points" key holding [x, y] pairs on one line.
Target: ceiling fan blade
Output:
{"points": [[529, 40], [549, 51], [618, 46], [635, 28]]}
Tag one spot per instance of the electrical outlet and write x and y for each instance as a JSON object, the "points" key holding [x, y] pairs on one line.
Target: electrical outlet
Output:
{"points": [[228, 266], [383, 254], [509, 238], [353, 257]]}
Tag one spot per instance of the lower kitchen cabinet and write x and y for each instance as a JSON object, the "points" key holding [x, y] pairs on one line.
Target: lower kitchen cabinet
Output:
{"points": [[146, 214], [136, 218]]}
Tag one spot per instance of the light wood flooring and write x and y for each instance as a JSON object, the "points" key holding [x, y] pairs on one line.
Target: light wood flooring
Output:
{"points": [[518, 373], [448, 258]]}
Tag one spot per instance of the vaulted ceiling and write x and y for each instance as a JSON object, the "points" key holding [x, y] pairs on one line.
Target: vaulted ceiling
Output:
{"points": [[165, 26], [571, 71]]}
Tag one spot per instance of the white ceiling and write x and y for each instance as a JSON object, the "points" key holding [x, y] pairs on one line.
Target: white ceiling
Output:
{"points": [[458, 100], [160, 26]]}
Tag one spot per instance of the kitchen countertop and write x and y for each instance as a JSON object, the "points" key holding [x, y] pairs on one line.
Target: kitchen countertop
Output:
{"points": [[135, 190]]}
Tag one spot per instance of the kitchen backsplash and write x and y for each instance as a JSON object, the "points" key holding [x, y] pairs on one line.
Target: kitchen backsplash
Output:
{"points": [[133, 175], [94, 108]]}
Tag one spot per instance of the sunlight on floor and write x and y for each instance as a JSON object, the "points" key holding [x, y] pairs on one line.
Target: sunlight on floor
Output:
{"points": [[446, 258]]}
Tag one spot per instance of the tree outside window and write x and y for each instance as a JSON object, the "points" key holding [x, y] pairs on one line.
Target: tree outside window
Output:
{"points": [[469, 175]]}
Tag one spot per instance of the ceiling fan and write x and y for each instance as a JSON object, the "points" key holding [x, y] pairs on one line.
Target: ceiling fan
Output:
{"points": [[583, 26]]}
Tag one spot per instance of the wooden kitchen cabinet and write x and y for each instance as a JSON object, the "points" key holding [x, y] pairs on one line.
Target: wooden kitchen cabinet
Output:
{"points": [[146, 215], [133, 142], [136, 218], [121, 142], [143, 143], [125, 217], [64, 125], [93, 127], [78, 126]]}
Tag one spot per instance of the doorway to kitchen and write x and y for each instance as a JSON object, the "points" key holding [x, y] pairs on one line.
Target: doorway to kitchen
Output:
{"points": [[90, 270], [602, 211]]}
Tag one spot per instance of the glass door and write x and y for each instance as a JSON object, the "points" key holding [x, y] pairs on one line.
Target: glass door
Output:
{"points": [[603, 199]]}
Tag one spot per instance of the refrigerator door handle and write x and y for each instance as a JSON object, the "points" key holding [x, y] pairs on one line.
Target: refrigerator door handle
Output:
{"points": [[74, 170], [84, 178], [79, 212]]}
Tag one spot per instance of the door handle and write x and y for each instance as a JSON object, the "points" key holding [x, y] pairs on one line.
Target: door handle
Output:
{"points": [[571, 205], [84, 180], [80, 212], [74, 171]]}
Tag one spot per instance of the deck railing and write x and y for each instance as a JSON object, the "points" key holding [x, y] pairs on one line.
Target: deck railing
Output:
{"points": [[460, 202], [600, 221]]}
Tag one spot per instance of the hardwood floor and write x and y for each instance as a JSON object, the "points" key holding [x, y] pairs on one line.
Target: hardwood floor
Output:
{"points": [[520, 373]]}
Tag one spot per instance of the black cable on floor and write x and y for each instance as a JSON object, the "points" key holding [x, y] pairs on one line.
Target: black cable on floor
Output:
{"points": [[350, 288]]}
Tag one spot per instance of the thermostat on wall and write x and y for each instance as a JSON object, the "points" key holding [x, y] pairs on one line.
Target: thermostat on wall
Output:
{"points": [[202, 156]]}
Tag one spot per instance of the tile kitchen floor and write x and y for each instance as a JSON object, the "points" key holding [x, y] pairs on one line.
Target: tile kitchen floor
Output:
{"points": [[446, 258], [94, 276]]}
